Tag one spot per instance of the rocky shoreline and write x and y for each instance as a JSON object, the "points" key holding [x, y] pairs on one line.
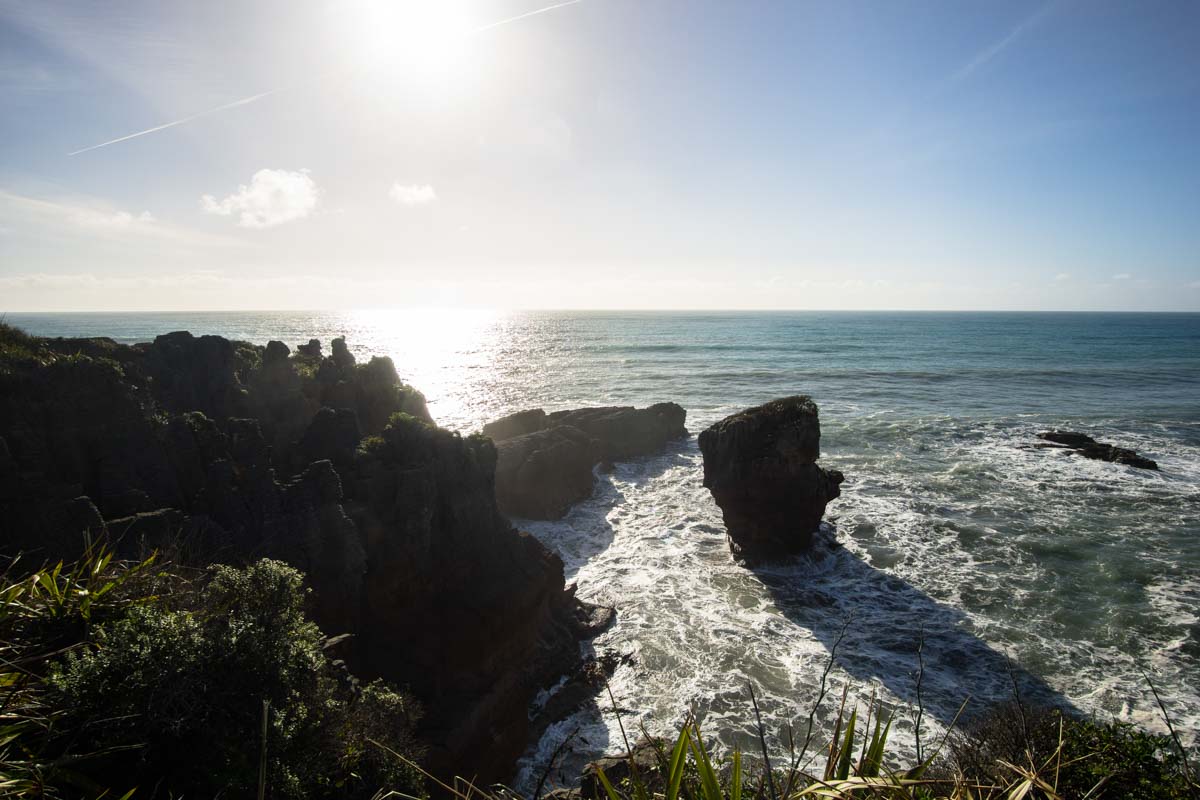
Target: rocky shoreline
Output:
{"points": [[225, 452], [219, 451]]}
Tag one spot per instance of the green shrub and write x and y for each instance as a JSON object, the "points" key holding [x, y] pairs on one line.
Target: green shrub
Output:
{"points": [[1123, 760], [163, 691], [15, 344]]}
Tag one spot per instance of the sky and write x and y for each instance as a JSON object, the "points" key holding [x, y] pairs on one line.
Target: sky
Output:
{"points": [[599, 154]]}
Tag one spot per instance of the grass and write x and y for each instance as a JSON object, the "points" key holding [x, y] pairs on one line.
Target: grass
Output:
{"points": [[1056, 758]]}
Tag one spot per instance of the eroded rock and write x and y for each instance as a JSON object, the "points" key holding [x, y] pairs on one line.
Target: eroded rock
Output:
{"points": [[545, 461], [761, 467]]}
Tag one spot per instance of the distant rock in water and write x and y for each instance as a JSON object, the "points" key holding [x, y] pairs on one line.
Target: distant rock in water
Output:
{"points": [[761, 467], [545, 461], [1088, 447]]}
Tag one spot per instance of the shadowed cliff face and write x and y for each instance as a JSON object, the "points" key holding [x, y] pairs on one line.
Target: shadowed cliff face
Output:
{"points": [[225, 451]]}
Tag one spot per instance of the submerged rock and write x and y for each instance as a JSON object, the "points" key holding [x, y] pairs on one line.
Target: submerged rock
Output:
{"points": [[761, 467], [545, 461], [1088, 447]]}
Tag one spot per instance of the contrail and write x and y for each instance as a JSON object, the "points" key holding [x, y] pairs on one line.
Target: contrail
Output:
{"points": [[165, 125], [254, 97], [491, 25]]}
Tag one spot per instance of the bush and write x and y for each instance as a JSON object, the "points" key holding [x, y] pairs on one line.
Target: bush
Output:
{"points": [[164, 692], [1124, 761]]}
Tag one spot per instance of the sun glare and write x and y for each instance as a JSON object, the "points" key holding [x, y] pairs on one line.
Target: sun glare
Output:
{"points": [[424, 44]]}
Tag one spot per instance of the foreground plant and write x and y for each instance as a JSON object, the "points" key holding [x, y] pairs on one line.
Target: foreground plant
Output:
{"points": [[124, 679]]}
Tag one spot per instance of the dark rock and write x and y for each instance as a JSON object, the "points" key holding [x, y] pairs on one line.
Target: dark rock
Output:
{"points": [[644, 759], [517, 424], [312, 349], [331, 435], [197, 374], [541, 475], [275, 355], [545, 460], [760, 466], [486, 604], [8, 467], [1088, 447], [342, 357], [625, 432], [586, 682]]}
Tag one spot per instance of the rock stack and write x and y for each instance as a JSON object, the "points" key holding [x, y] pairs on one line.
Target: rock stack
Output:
{"points": [[761, 467]]}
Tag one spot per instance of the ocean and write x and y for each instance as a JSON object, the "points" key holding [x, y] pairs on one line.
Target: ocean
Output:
{"points": [[1016, 568]]}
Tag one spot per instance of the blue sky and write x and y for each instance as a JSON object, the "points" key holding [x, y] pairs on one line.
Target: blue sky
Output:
{"points": [[604, 154]]}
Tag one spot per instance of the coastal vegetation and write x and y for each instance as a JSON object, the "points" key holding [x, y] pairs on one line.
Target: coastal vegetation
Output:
{"points": [[147, 679], [143, 678]]}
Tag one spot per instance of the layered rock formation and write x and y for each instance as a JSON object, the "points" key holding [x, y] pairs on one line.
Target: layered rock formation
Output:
{"points": [[1088, 447], [545, 461], [225, 451], [761, 467]]}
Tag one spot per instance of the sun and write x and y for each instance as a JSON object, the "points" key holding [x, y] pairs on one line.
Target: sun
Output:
{"points": [[421, 43]]}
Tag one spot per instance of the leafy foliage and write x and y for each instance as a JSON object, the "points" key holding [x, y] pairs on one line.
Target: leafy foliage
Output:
{"points": [[1105, 759], [161, 683]]}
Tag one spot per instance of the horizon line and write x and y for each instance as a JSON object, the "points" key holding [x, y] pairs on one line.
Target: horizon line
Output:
{"points": [[605, 310]]}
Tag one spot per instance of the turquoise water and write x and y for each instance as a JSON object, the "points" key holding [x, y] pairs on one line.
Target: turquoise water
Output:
{"points": [[951, 526]]}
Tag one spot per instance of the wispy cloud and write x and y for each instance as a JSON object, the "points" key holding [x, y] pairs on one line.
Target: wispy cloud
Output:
{"points": [[273, 197], [1062, 276], [1122, 276], [1000, 45], [93, 217], [412, 194]]}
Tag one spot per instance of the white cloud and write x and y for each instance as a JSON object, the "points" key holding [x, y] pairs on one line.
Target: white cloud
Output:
{"points": [[1062, 276], [1122, 276], [412, 194], [1194, 285], [273, 197]]}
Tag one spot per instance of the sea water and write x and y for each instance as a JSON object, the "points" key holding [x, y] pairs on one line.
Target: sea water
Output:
{"points": [[1015, 570]]}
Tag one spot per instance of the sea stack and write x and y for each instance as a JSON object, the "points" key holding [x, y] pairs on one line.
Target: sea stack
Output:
{"points": [[761, 467]]}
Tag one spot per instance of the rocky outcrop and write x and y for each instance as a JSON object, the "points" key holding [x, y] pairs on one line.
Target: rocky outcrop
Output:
{"points": [[540, 475], [545, 461], [224, 451], [1088, 447], [761, 467]]}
